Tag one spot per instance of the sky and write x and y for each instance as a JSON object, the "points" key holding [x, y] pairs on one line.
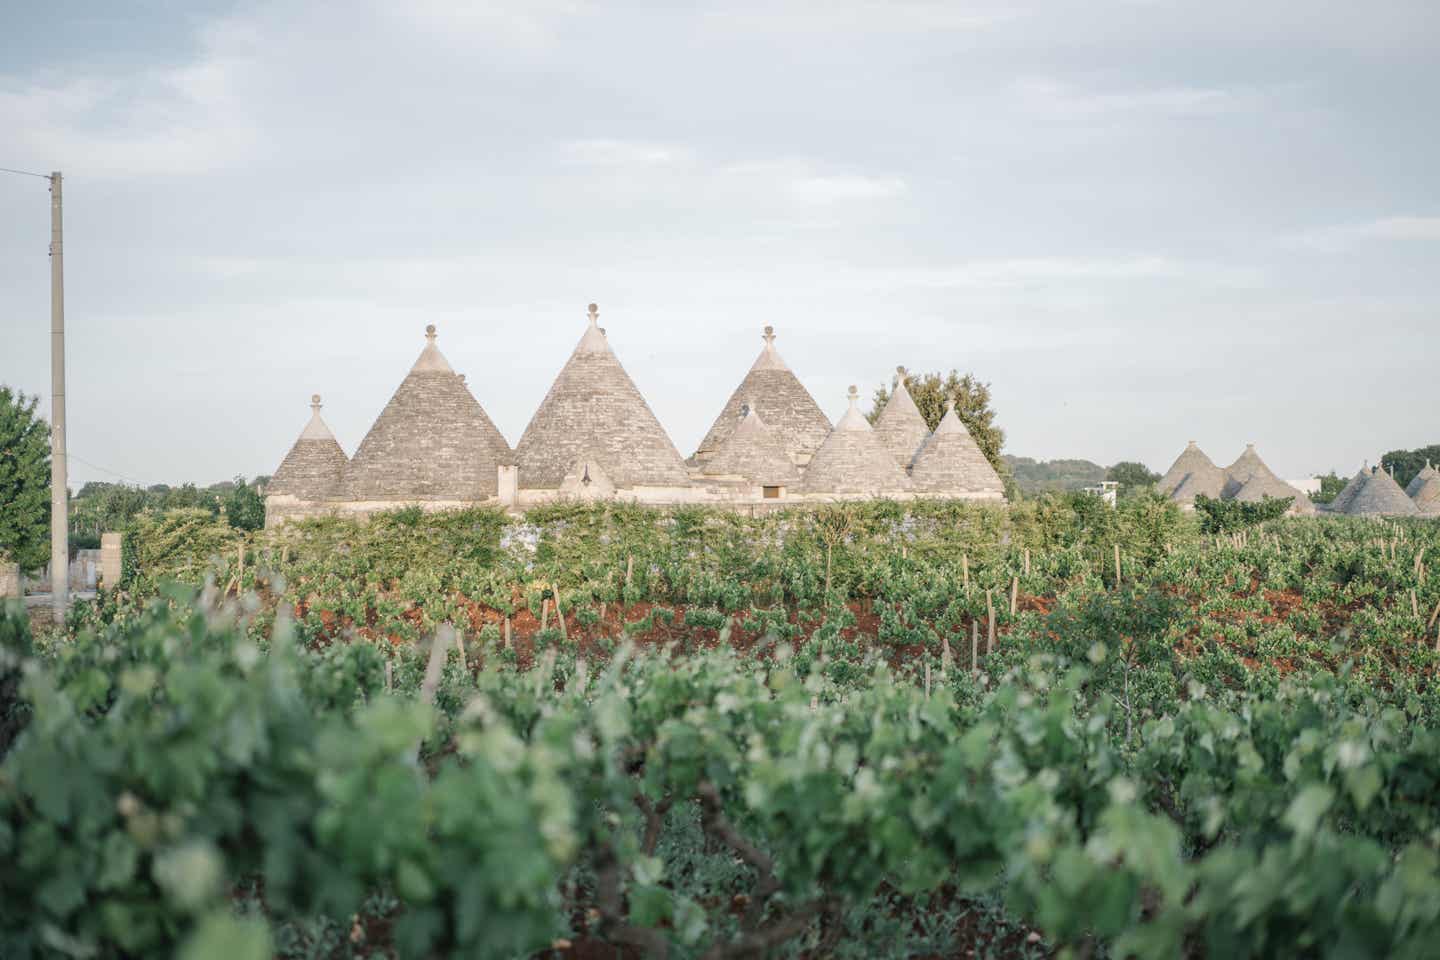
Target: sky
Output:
{"points": [[1141, 222]]}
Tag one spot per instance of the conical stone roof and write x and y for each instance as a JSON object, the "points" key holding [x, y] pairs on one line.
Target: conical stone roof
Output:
{"points": [[1381, 496], [1347, 493], [951, 463], [594, 406], [314, 469], [755, 452], [1426, 474], [781, 400], [901, 427], [433, 441], [1427, 497], [853, 462], [1250, 475], [1192, 474]]}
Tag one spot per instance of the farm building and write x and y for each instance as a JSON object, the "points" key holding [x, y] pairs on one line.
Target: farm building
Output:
{"points": [[1248, 480], [1378, 495], [595, 437]]}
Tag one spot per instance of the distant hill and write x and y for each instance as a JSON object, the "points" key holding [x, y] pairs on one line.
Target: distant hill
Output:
{"points": [[1034, 477]]}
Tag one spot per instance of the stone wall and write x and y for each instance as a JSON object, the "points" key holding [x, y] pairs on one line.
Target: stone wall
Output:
{"points": [[10, 580], [110, 560]]}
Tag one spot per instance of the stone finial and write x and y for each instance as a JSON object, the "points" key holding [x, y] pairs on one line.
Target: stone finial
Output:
{"points": [[900, 372], [315, 402], [594, 314], [769, 336], [854, 396], [430, 332]]}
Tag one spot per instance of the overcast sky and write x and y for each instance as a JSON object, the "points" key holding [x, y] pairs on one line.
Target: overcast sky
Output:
{"points": [[1141, 222]]}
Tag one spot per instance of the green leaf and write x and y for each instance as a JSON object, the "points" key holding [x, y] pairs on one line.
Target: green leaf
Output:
{"points": [[221, 934], [1305, 811]]}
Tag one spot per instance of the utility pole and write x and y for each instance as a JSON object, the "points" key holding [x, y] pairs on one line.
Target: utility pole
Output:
{"points": [[59, 491]]}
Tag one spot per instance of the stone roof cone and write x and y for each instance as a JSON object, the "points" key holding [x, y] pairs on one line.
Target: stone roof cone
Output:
{"points": [[780, 399], [1426, 495], [754, 451], [1192, 474], [433, 440], [1426, 474], [1381, 496], [594, 410], [1250, 475], [901, 427], [853, 462], [314, 469], [951, 463], [1347, 493]]}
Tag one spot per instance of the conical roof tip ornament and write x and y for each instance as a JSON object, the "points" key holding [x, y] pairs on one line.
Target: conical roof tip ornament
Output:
{"points": [[430, 332], [594, 313], [315, 402]]}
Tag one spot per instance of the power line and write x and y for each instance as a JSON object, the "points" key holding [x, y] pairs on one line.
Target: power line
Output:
{"points": [[27, 173], [96, 466]]}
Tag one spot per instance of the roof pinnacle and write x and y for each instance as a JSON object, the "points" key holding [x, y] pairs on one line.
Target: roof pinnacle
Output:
{"points": [[430, 332], [594, 314], [768, 336], [854, 396], [315, 402]]}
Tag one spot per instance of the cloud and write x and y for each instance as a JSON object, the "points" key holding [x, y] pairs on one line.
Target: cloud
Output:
{"points": [[188, 119], [510, 26], [624, 153], [838, 189], [865, 16], [1183, 101], [1019, 272], [1348, 236]]}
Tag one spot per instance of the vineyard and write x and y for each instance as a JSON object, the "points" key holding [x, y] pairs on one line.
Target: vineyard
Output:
{"points": [[918, 730]]}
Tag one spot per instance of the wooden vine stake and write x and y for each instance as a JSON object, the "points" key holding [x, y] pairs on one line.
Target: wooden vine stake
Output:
{"points": [[1117, 564], [629, 569], [965, 570], [439, 646], [990, 610], [1414, 604], [544, 612], [927, 679], [1014, 594], [560, 616], [460, 645], [946, 661], [505, 635], [974, 646], [389, 676], [1434, 615], [1027, 561], [240, 564]]}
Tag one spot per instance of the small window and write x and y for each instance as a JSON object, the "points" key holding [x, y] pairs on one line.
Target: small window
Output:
{"points": [[773, 493]]}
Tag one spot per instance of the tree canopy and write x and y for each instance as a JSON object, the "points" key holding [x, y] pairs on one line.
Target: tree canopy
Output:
{"points": [[930, 391], [24, 481], [1406, 463], [1133, 477]]}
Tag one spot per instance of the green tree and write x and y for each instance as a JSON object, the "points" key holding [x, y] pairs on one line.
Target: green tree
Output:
{"points": [[24, 481], [1406, 463], [243, 506], [1133, 477], [1330, 487], [930, 392], [1223, 516]]}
